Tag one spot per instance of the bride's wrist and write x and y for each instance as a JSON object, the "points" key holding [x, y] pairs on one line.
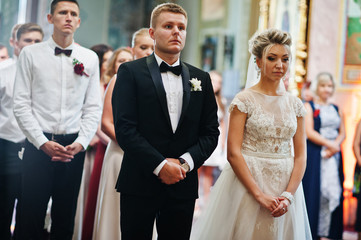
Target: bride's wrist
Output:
{"points": [[288, 196], [258, 196]]}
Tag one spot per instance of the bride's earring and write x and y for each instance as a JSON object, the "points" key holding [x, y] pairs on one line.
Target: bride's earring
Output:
{"points": [[258, 70]]}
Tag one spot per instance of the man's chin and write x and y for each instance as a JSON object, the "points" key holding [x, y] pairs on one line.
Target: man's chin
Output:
{"points": [[175, 50], [68, 31]]}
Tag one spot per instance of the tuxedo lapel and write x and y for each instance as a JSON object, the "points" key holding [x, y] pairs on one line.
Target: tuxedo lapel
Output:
{"points": [[186, 91], [158, 83]]}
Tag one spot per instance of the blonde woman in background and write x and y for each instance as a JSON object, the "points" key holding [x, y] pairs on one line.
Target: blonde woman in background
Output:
{"points": [[211, 168], [323, 180], [107, 220], [103, 52]]}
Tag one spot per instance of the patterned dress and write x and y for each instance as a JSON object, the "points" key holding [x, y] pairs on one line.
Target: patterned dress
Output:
{"points": [[232, 212]]}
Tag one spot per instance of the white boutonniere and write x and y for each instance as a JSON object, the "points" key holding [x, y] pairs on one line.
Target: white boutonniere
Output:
{"points": [[195, 85]]}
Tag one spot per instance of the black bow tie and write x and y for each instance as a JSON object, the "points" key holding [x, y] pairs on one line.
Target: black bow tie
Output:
{"points": [[177, 70], [67, 52]]}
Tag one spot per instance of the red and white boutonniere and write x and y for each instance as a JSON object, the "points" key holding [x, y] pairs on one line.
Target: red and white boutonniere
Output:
{"points": [[79, 68], [195, 84], [316, 113]]}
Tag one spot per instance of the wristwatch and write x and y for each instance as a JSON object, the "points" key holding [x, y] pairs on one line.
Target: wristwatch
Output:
{"points": [[184, 164]]}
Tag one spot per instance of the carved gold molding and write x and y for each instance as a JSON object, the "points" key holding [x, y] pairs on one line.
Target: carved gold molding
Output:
{"points": [[267, 7], [264, 14], [301, 47], [300, 71]]}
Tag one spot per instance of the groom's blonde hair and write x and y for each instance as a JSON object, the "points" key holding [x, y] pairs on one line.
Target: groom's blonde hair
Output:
{"points": [[165, 7]]}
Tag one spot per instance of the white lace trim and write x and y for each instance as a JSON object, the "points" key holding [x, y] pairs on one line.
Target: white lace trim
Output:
{"points": [[240, 105], [299, 108]]}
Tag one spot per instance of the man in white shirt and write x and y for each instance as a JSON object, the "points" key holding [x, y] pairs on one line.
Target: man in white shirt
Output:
{"points": [[4, 54], [57, 105], [11, 136], [16, 50]]}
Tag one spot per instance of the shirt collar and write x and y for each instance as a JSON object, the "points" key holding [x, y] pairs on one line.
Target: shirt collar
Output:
{"points": [[159, 61]]}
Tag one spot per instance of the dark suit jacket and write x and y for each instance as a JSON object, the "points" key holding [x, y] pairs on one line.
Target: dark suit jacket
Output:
{"points": [[143, 127]]}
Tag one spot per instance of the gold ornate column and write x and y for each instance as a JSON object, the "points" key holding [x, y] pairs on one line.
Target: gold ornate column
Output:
{"points": [[299, 51], [264, 14], [301, 47]]}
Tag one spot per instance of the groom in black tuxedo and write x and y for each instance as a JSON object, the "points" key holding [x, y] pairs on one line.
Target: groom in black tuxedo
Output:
{"points": [[165, 117]]}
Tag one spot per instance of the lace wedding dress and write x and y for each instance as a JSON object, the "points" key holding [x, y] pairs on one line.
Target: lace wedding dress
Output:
{"points": [[232, 212]]}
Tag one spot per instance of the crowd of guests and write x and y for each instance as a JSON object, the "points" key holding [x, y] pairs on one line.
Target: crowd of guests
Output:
{"points": [[63, 139]]}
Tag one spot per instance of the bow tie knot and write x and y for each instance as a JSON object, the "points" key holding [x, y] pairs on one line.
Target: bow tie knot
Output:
{"points": [[67, 52], [177, 70]]}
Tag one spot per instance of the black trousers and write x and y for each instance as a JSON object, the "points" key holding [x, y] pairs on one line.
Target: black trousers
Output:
{"points": [[173, 217], [9, 184], [42, 179]]}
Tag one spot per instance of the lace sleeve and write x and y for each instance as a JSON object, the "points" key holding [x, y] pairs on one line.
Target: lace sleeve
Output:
{"points": [[299, 108], [239, 102]]}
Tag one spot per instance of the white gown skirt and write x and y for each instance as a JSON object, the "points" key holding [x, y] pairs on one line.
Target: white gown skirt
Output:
{"points": [[107, 215], [232, 213]]}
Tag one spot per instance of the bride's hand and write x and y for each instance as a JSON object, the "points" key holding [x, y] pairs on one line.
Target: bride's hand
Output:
{"points": [[282, 207], [269, 202]]}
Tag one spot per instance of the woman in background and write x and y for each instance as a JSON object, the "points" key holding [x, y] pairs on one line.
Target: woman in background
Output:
{"points": [[107, 221], [103, 52], [210, 170], [357, 152], [323, 180], [306, 92]]}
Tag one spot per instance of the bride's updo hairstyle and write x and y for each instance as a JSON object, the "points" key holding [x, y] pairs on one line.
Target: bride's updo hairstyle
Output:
{"points": [[260, 43]]}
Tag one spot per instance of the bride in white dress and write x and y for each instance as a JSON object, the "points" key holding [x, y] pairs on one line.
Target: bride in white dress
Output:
{"points": [[259, 194]]}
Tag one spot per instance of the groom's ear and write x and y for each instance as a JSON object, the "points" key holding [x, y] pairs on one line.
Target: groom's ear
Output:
{"points": [[151, 33]]}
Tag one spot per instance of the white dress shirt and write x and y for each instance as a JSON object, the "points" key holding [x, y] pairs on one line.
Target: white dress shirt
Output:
{"points": [[7, 62], [50, 97], [9, 128], [173, 86]]}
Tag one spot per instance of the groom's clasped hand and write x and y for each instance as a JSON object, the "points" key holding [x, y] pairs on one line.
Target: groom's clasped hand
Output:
{"points": [[172, 172]]}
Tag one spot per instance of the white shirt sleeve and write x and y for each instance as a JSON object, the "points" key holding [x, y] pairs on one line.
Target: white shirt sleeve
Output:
{"points": [[23, 103], [91, 111]]}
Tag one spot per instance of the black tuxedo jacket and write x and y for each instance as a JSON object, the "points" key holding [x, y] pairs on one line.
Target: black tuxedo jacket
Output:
{"points": [[143, 127]]}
